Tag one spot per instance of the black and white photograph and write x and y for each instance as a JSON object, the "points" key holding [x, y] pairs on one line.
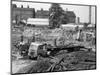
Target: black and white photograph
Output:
{"points": [[52, 37]]}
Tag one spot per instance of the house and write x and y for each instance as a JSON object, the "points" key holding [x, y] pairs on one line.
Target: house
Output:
{"points": [[19, 13], [42, 14]]}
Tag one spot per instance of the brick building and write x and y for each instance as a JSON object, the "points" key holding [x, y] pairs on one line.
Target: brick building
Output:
{"points": [[45, 14], [19, 13], [22, 13], [42, 14]]}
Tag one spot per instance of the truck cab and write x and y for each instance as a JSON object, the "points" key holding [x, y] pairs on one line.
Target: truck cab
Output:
{"points": [[37, 49]]}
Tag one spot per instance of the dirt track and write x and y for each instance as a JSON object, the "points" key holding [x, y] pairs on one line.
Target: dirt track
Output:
{"points": [[79, 60], [20, 63], [72, 61]]}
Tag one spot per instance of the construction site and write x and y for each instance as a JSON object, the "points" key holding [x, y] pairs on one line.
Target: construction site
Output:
{"points": [[53, 44]]}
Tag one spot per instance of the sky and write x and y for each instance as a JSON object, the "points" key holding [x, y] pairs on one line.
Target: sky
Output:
{"points": [[80, 11]]}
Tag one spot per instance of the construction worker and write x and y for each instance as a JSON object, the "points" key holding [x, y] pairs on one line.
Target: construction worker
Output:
{"points": [[79, 35]]}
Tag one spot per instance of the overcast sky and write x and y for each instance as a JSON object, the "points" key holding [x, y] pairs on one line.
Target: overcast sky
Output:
{"points": [[80, 11]]}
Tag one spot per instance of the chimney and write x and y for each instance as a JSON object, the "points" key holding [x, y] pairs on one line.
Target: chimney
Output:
{"points": [[41, 9], [14, 6], [78, 20], [89, 14], [21, 6], [66, 9], [28, 6]]}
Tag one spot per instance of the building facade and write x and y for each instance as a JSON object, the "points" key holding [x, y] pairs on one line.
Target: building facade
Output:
{"points": [[42, 14], [22, 13], [71, 17]]}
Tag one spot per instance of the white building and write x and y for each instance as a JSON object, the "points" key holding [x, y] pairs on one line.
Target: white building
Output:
{"points": [[38, 21]]}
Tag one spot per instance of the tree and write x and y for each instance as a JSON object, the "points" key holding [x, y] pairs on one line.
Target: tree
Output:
{"points": [[64, 18], [55, 13], [33, 13], [14, 5]]}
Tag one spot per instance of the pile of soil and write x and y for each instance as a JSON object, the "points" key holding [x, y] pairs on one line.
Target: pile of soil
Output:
{"points": [[40, 66], [79, 60]]}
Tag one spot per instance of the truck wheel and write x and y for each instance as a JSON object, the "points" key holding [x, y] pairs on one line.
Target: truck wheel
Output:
{"points": [[29, 57], [33, 58]]}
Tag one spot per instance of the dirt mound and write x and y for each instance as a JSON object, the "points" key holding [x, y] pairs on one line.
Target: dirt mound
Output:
{"points": [[40, 66], [79, 60]]}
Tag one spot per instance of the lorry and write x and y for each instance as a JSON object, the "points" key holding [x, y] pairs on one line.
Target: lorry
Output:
{"points": [[51, 47], [37, 49]]}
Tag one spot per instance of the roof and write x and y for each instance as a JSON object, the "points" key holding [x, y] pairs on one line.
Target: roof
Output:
{"points": [[71, 25], [38, 21], [23, 9], [44, 12], [91, 25], [37, 43], [34, 45]]}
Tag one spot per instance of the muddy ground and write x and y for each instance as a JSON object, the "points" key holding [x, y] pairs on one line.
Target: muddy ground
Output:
{"points": [[62, 61]]}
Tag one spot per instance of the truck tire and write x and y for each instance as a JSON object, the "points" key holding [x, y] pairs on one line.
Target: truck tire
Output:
{"points": [[33, 58]]}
